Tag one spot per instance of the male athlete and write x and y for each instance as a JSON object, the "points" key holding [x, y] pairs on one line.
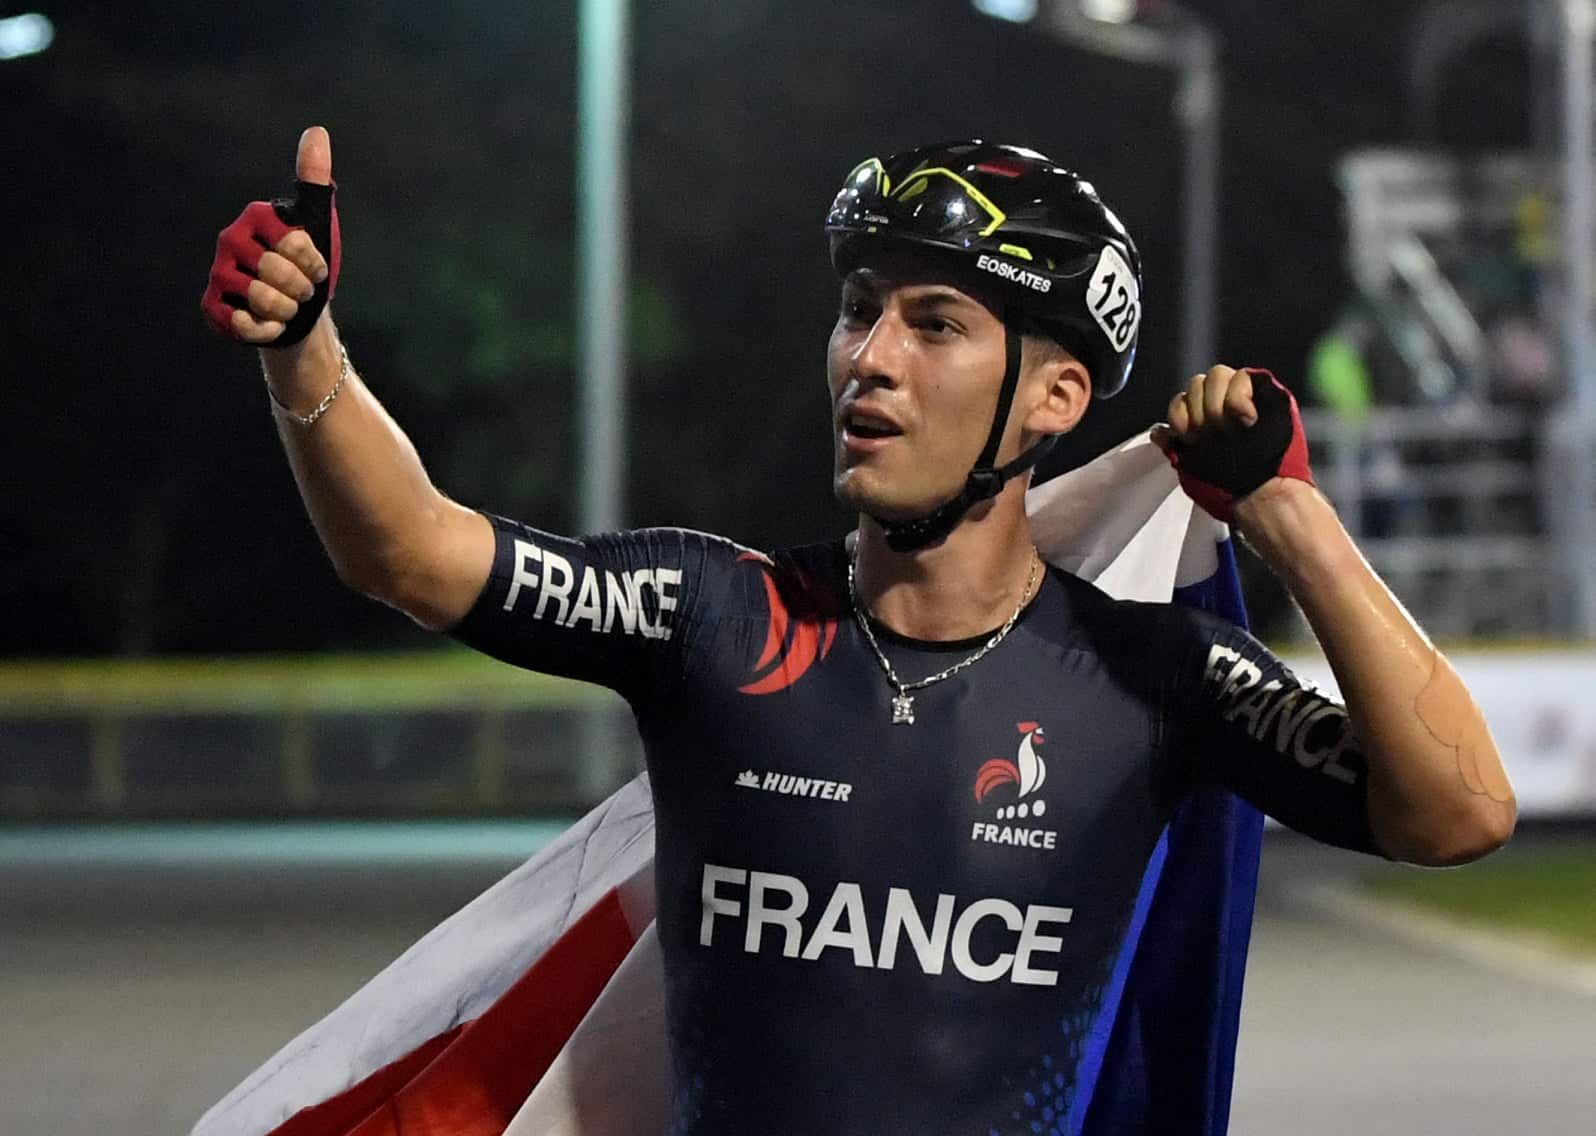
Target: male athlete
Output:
{"points": [[906, 785]]}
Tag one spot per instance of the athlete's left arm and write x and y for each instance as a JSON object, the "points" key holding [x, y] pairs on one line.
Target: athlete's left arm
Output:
{"points": [[1436, 789], [1437, 792]]}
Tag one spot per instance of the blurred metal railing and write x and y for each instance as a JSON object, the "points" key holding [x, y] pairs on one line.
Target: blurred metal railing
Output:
{"points": [[445, 734], [1446, 505]]}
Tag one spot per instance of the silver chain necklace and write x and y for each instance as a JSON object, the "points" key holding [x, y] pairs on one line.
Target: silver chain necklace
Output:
{"points": [[903, 702]]}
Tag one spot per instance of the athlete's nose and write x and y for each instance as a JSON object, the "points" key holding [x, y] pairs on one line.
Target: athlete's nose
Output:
{"points": [[879, 358]]}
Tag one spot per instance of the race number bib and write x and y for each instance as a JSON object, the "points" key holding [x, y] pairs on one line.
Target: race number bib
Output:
{"points": [[1114, 299]]}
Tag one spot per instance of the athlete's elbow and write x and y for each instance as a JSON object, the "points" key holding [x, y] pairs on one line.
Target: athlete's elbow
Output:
{"points": [[357, 575], [1491, 828], [415, 593], [1449, 837], [361, 571], [435, 576], [386, 580]]}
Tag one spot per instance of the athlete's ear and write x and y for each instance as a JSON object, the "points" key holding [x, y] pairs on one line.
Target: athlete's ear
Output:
{"points": [[1064, 391]]}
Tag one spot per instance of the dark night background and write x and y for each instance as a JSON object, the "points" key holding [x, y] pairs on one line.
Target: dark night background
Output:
{"points": [[146, 506]]}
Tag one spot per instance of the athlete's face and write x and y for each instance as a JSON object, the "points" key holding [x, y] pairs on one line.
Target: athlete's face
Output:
{"points": [[915, 364]]}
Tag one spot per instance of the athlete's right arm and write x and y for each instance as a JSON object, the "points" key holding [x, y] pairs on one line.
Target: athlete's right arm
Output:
{"points": [[389, 531]]}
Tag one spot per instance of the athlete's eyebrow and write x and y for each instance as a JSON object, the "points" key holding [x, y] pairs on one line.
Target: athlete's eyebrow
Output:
{"points": [[938, 297], [876, 282]]}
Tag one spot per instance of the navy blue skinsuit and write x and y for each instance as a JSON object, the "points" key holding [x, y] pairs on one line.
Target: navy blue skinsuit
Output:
{"points": [[873, 927]]}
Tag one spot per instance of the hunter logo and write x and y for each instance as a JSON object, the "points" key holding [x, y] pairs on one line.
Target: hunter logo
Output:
{"points": [[791, 785]]}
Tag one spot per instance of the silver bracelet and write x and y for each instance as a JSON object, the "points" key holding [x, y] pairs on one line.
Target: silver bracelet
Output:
{"points": [[321, 407]]}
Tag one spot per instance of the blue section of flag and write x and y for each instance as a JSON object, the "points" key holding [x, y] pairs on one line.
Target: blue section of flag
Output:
{"points": [[1100, 1042], [1162, 1057]]}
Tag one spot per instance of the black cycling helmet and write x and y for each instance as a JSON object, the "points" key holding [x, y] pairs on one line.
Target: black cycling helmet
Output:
{"points": [[1064, 264]]}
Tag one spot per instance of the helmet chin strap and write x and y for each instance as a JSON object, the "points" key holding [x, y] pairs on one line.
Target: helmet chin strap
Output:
{"points": [[985, 480]]}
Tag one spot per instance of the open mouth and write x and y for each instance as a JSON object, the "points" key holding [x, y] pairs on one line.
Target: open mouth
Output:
{"points": [[860, 430], [860, 424]]}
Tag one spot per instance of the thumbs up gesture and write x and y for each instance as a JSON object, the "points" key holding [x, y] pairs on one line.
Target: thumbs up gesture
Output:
{"points": [[277, 264]]}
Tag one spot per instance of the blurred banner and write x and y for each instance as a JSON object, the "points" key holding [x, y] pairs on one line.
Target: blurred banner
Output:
{"points": [[1539, 706], [425, 733]]}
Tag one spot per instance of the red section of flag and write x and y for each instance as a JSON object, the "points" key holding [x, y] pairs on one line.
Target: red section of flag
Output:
{"points": [[472, 1080], [344, 1111]]}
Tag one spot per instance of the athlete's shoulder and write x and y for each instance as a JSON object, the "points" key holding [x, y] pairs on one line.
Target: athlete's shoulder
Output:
{"points": [[1090, 606], [802, 582], [686, 538], [809, 581], [1149, 637], [827, 558]]}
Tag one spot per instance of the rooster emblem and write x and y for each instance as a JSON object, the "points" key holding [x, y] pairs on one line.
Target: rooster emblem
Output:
{"points": [[1028, 771]]}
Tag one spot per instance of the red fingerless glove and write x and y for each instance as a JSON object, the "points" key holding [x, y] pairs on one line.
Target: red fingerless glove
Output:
{"points": [[258, 228], [1219, 470]]}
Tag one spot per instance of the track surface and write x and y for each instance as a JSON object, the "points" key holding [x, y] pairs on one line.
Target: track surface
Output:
{"points": [[1348, 1030], [137, 990]]}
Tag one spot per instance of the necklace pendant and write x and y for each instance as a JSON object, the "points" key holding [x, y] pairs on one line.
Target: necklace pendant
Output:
{"points": [[903, 709]]}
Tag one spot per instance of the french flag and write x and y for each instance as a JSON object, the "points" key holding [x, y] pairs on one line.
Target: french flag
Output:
{"points": [[538, 1008]]}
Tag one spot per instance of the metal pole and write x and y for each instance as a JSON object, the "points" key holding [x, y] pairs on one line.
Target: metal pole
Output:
{"points": [[1181, 42], [601, 223], [1579, 205], [1197, 108]]}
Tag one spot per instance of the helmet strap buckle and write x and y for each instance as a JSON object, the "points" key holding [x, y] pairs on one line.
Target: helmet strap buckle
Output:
{"points": [[983, 482]]}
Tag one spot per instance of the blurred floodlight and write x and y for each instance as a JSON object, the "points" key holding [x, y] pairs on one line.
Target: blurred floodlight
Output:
{"points": [[1017, 11], [1109, 11], [27, 34]]}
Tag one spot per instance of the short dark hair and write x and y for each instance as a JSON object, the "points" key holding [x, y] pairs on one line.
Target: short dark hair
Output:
{"points": [[1052, 335]]}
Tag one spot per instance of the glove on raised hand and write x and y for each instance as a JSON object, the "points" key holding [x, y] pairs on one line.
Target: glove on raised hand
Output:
{"points": [[1217, 470], [258, 228]]}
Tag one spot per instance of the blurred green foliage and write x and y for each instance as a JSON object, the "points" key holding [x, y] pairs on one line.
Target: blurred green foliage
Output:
{"points": [[149, 509], [1544, 890]]}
